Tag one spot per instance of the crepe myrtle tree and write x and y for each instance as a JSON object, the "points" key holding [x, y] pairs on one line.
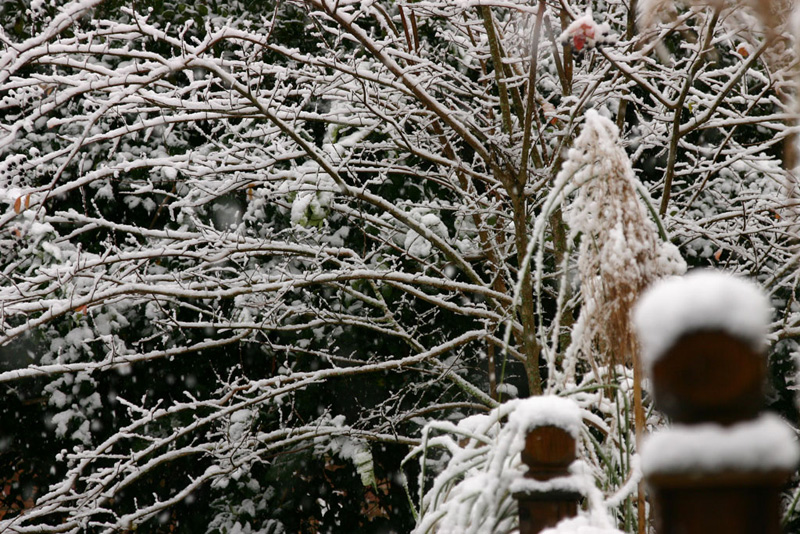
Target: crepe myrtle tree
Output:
{"points": [[244, 246]]}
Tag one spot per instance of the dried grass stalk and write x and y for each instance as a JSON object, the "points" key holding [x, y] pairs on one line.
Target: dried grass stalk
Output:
{"points": [[620, 252]]}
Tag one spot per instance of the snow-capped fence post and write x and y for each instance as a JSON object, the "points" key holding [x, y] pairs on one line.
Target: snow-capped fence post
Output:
{"points": [[549, 451], [720, 467]]}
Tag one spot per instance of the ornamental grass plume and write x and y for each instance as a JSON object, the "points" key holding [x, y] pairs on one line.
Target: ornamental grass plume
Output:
{"points": [[620, 251], [619, 255]]}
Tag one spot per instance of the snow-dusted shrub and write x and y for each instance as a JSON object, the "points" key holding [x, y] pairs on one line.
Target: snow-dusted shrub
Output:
{"points": [[237, 236], [477, 468]]}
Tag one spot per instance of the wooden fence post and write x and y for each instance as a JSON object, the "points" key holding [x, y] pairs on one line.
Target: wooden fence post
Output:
{"points": [[548, 453], [721, 466]]}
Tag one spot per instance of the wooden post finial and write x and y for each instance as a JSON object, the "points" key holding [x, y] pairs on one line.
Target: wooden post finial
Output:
{"points": [[709, 376], [549, 451], [721, 466]]}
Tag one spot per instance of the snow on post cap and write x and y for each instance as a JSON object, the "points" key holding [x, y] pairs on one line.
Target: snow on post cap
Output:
{"points": [[762, 445], [701, 300], [547, 410]]}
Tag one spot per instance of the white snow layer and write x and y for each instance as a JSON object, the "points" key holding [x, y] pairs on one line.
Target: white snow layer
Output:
{"points": [[579, 480], [580, 525], [419, 246], [547, 411], [762, 445], [701, 300]]}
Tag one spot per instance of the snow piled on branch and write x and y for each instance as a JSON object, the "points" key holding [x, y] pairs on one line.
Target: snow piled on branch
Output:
{"points": [[419, 246], [701, 300], [764, 444], [584, 32]]}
